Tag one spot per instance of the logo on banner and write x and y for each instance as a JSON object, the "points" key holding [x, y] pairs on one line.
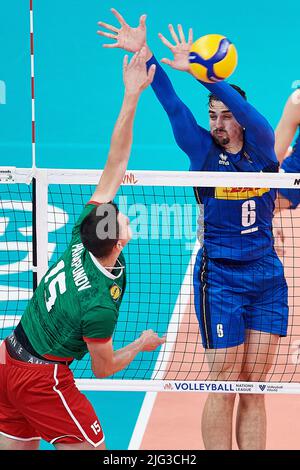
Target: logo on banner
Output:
{"points": [[202, 387], [130, 178], [168, 386]]}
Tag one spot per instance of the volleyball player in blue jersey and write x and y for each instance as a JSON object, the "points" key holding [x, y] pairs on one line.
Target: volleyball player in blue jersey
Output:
{"points": [[239, 284], [285, 132], [289, 157]]}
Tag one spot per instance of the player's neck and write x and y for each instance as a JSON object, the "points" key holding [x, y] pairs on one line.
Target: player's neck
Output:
{"points": [[233, 147], [108, 262]]}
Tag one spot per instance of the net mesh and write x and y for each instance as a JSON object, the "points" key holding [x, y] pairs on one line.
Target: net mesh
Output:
{"points": [[160, 259], [15, 253], [164, 224]]}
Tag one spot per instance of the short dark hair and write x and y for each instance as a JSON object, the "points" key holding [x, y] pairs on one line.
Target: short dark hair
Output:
{"points": [[99, 231], [212, 97]]}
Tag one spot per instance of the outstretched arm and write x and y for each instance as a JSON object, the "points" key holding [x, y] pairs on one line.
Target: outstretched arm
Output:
{"points": [[136, 79], [191, 138], [284, 135], [291, 164], [106, 361], [257, 127], [287, 126]]}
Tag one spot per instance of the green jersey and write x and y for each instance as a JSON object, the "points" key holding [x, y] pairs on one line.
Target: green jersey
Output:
{"points": [[76, 301]]}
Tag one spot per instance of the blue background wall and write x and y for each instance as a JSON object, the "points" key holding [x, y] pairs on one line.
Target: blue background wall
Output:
{"points": [[79, 92], [79, 84]]}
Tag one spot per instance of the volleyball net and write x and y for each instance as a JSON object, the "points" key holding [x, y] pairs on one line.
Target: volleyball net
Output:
{"points": [[38, 211]]}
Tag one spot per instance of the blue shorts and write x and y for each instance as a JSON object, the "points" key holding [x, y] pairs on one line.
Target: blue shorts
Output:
{"points": [[231, 297]]}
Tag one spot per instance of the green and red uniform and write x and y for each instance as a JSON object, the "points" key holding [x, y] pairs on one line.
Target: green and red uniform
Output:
{"points": [[76, 302]]}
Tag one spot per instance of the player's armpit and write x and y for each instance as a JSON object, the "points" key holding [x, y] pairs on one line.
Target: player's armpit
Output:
{"points": [[102, 356]]}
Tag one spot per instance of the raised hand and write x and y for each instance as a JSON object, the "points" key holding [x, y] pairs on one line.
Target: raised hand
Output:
{"points": [[135, 75], [125, 37], [180, 49]]}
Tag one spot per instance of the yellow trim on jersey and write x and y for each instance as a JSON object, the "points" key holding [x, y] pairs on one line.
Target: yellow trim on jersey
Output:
{"points": [[233, 194]]}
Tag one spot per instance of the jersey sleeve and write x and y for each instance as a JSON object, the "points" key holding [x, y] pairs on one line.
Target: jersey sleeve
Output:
{"points": [[85, 212], [98, 324], [194, 140], [258, 131]]}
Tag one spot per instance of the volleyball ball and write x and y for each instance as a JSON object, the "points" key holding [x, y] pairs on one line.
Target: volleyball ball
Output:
{"points": [[212, 58]]}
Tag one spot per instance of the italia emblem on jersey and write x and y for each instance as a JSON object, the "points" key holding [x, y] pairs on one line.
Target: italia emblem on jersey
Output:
{"points": [[115, 292]]}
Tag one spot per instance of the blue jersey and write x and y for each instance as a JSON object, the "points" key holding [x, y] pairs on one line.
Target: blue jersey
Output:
{"points": [[237, 221], [292, 165]]}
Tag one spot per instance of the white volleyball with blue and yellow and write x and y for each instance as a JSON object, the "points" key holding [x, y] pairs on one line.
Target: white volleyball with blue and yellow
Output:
{"points": [[213, 58]]}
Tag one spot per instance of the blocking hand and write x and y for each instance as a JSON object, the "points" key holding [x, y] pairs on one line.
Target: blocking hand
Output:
{"points": [[135, 75], [180, 50], [126, 37]]}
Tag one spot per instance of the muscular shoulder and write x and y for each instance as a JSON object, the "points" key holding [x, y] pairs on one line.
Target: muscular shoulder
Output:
{"points": [[292, 110], [295, 100]]}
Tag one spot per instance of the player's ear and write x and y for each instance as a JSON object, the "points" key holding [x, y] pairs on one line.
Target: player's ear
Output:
{"points": [[119, 246]]}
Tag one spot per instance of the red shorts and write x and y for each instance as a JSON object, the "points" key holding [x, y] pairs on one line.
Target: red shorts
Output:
{"points": [[42, 401]]}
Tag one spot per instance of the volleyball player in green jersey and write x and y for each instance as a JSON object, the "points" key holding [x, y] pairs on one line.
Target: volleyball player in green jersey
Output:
{"points": [[74, 310]]}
